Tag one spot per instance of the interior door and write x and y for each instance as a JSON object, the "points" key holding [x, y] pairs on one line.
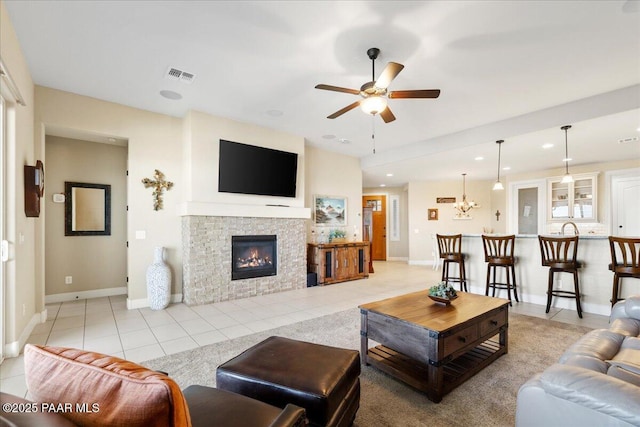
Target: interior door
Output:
{"points": [[378, 203], [626, 207]]}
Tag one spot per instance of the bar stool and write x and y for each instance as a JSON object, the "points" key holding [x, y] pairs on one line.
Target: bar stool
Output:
{"points": [[449, 248], [498, 252], [625, 261], [559, 254]]}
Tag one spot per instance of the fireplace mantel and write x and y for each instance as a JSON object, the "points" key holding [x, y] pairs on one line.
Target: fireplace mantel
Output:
{"points": [[238, 210]]}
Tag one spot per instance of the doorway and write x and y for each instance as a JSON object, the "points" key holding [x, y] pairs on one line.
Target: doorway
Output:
{"points": [[625, 205], [85, 264], [378, 205]]}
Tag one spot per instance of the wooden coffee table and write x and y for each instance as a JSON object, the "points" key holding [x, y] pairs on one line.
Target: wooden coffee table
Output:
{"points": [[433, 347]]}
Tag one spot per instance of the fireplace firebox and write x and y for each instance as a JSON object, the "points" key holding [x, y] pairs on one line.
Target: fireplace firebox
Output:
{"points": [[253, 256]]}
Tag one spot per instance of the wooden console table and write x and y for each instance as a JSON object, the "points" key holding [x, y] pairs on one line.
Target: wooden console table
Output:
{"points": [[338, 262], [432, 347]]}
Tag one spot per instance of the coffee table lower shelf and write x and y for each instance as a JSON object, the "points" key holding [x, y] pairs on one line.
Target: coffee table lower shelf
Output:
{"points": [[416, 374]]}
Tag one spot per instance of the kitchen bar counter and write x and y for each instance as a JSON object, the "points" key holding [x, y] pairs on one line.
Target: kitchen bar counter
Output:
{"points": [[596, 281]]}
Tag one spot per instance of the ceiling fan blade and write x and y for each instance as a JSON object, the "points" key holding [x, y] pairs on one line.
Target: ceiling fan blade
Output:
{"points": [[338, 89], [425, 93], [388, 74], [387, 115], [344, 110]]}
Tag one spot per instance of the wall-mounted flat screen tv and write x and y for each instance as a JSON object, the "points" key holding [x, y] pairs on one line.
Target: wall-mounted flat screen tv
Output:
{"points": [[248, 169]]}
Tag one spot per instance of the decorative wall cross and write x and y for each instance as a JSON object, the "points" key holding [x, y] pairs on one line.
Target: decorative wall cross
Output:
{"points": [[159, 185], [497, 215]]}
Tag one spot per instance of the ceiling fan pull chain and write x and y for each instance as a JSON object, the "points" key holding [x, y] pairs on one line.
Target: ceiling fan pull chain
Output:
{"points": [[373, 133]]}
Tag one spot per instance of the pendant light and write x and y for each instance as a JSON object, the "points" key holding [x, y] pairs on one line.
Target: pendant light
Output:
{"points": [[498, 185], [567, 178]]}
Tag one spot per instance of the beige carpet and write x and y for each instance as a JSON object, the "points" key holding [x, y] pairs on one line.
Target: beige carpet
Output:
{"points": [[487, 399]]}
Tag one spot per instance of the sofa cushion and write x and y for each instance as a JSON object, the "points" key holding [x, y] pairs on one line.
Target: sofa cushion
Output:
{"points": [[603, 393], [632, 307], [623, 374], [599, 343], [99, 390], [626, 326], [587, 362]]}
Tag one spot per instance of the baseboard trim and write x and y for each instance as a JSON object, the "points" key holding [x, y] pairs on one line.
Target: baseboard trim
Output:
{"points": [[398, 258], [13, 349], [562, 303], [72, 296], [568, 303], [133, 304]]}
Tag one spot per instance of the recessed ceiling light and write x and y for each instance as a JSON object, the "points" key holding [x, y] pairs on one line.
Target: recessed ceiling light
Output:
{"points": [[479, 158], [169, 94], [328, 136], [567, 159], [344, 140], [275, 113], [506, 168], [547, 146], [389, 174], [383, 185]]}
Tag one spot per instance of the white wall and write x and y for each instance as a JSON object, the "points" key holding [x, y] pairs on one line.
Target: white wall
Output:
{"points": [[422, 196], [332, 174], [201, 149], [155, 142], [24, 296]]}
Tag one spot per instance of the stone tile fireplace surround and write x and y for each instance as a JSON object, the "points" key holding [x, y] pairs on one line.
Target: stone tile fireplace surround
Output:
{"points": [[206, 242]]}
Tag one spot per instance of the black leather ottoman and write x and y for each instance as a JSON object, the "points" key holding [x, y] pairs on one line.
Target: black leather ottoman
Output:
{"points": [[323, 380]]}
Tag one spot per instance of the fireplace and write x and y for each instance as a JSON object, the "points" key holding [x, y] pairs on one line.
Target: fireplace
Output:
{"points": [[253, 256]]}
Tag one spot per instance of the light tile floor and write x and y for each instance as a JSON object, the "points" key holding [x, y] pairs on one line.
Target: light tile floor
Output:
{"points": [[105, 325]]}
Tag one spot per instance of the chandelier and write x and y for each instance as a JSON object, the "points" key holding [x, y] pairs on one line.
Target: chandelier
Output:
{"points": [[464, 206]]}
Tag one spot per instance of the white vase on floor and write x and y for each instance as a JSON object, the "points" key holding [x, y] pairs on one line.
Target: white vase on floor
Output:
{"points": [[158, 281]]}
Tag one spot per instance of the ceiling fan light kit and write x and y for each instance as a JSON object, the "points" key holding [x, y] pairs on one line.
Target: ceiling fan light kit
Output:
{"points": [[373, 104], [374, 93]]}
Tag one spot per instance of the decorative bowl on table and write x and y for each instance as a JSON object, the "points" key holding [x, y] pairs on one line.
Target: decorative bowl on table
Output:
{"points": [[445, 301], [442, 293]]}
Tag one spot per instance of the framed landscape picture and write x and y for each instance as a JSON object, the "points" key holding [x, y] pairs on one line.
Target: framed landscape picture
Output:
{"points": [[330, 210]]}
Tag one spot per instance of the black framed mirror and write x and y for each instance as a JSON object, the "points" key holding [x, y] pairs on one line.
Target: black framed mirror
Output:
{"points": [[87, 209]]}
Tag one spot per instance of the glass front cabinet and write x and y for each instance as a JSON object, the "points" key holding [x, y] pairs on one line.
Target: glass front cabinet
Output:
{"points": [[575, 201]]}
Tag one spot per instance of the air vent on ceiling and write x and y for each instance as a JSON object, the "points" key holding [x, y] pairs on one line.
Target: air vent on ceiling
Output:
{"points": [[627, 140], [183, 76]]}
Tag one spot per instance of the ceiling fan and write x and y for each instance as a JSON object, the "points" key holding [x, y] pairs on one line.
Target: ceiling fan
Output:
{"points": [[374, 93]]}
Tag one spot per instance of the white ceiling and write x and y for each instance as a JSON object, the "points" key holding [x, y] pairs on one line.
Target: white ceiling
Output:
{"points": [[512, 70]]}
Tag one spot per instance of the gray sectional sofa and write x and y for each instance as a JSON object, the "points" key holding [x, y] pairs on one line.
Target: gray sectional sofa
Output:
{"points": [[596, 382]]}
